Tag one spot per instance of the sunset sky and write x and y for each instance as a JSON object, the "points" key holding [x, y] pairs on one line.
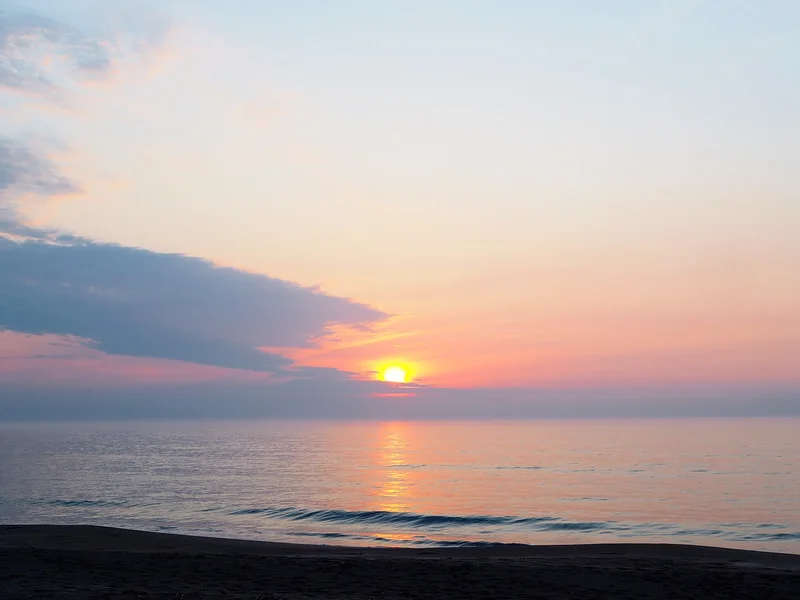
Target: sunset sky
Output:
{"points": [[506, 199]]}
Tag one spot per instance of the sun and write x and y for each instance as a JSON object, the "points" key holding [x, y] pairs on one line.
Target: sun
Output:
{"points": [[395, 374]]}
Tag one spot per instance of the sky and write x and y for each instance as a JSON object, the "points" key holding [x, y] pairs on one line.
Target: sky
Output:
{"points": [[535, 208]]}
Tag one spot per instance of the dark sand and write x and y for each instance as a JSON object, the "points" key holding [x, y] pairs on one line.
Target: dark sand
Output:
{"points": [[87, 563]]}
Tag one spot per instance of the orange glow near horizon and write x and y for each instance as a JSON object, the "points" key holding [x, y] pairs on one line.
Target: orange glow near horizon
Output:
{"points": [[441, 351]]}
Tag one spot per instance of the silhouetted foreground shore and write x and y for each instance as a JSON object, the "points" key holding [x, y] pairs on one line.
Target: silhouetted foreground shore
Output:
{"points": [[87, 563]]}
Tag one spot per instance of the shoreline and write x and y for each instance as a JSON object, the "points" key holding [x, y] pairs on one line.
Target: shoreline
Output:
{"points": [[82, 561], [103, 538]]}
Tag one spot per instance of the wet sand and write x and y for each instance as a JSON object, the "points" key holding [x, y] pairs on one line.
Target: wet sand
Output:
{"points": [[87, 563]]}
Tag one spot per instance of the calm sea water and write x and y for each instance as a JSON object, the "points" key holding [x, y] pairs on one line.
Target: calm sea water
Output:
{"points": [[732, 483]]}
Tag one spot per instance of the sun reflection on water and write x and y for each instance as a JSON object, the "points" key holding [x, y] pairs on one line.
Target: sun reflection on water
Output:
{"points": [[394, 488]]}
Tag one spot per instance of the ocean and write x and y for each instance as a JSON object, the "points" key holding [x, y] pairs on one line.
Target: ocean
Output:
{"points": [[722, 482]]}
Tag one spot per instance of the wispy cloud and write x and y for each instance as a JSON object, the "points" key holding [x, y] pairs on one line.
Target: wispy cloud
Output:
{"points": [[24, 171], [34, 48], [39, 54]]}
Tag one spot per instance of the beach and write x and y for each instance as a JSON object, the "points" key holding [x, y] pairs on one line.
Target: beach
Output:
{"points": [[90, 562]]}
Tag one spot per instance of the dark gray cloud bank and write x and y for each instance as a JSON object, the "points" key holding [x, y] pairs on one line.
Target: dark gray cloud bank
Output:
{"points": [[139, 303]]}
